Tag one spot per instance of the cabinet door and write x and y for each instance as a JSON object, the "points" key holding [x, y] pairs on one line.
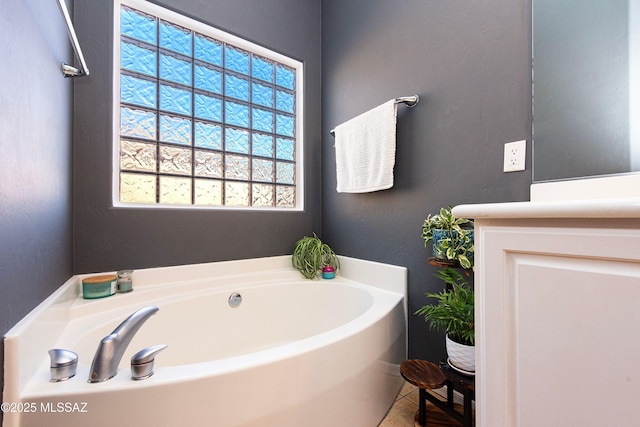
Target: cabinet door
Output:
{"points": [[558, 327]]}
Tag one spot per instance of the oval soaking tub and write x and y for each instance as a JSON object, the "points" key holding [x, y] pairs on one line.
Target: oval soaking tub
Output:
{"points": [[294, 352]]}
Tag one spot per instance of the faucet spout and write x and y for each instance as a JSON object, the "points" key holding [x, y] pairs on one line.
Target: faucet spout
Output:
{"points": [[112, 347]]}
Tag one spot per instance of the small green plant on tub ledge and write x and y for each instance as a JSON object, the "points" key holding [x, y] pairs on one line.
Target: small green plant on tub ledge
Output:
{"points": [[452, 238], [453, 314], [311, 256]]}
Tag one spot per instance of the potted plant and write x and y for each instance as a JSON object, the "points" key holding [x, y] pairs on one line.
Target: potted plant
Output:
{"points": [[453, 314], [311, 256], [452, 237]]}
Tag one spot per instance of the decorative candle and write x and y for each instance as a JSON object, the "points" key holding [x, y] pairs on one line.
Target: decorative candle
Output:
{"points": [[125, 281]]}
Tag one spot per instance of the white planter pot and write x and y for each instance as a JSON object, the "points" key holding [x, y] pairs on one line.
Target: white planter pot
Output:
{"points": [[461, 356]]}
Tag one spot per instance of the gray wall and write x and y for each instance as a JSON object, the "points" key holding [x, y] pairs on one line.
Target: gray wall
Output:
{"points": [[108, 239], [35, 148], [469, 62]]}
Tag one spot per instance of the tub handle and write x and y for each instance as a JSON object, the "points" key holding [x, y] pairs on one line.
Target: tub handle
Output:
{"points": [[142, 362], [63, 364]]}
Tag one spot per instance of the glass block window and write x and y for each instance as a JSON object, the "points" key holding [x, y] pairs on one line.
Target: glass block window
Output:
{"points": [[203, 118]]}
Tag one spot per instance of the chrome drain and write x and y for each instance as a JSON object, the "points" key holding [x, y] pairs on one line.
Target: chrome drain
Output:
{"points": [[235, 299]]}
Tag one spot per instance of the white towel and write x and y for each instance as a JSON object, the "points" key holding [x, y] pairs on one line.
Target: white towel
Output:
{"points": [[366, 150]]}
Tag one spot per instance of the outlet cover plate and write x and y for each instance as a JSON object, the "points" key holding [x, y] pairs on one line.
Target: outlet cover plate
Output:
{"points": [[514, 156]]}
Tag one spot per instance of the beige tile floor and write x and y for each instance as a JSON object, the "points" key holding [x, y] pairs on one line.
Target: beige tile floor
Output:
{"points": [[403, 411]]}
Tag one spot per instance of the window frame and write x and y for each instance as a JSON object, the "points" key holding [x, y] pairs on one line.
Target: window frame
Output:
{"points": [[210, 31]]}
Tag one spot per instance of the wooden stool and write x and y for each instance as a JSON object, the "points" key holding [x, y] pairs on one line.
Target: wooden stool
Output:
{"points": [[428, 376]]}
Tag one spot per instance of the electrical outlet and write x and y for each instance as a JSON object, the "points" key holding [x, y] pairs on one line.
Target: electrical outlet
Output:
{"points": [[514, 156]]}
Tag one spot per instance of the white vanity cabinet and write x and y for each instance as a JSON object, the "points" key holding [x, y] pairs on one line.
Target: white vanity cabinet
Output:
{"points": [[557, 313]]}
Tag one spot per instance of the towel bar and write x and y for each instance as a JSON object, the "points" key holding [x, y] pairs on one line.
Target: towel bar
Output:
{"points": [[409, 101], [70, 70]]}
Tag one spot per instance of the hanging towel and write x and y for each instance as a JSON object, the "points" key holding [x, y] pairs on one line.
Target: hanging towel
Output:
{"points": [[366, 150]]}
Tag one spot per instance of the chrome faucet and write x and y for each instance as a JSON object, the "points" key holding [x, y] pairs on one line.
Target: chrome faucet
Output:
{"points": [[112, 347]]}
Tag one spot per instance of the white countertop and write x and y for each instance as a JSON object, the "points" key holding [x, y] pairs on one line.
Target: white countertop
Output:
{"points": [[628, 207]]}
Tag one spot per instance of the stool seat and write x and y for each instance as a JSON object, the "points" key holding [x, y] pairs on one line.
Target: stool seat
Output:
{"points": [[428, 376], [422, 374]]}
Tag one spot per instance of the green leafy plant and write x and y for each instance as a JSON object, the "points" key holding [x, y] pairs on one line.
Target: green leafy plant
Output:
{"points": [[453, 312], [310, 255], [452, 237]]}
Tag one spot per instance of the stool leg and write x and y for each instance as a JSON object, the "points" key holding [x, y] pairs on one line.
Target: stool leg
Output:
{"points": [[422, 408], [468, 415]]}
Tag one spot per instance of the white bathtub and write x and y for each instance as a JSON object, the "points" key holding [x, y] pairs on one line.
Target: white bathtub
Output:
{"points": [[294, 353]]}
